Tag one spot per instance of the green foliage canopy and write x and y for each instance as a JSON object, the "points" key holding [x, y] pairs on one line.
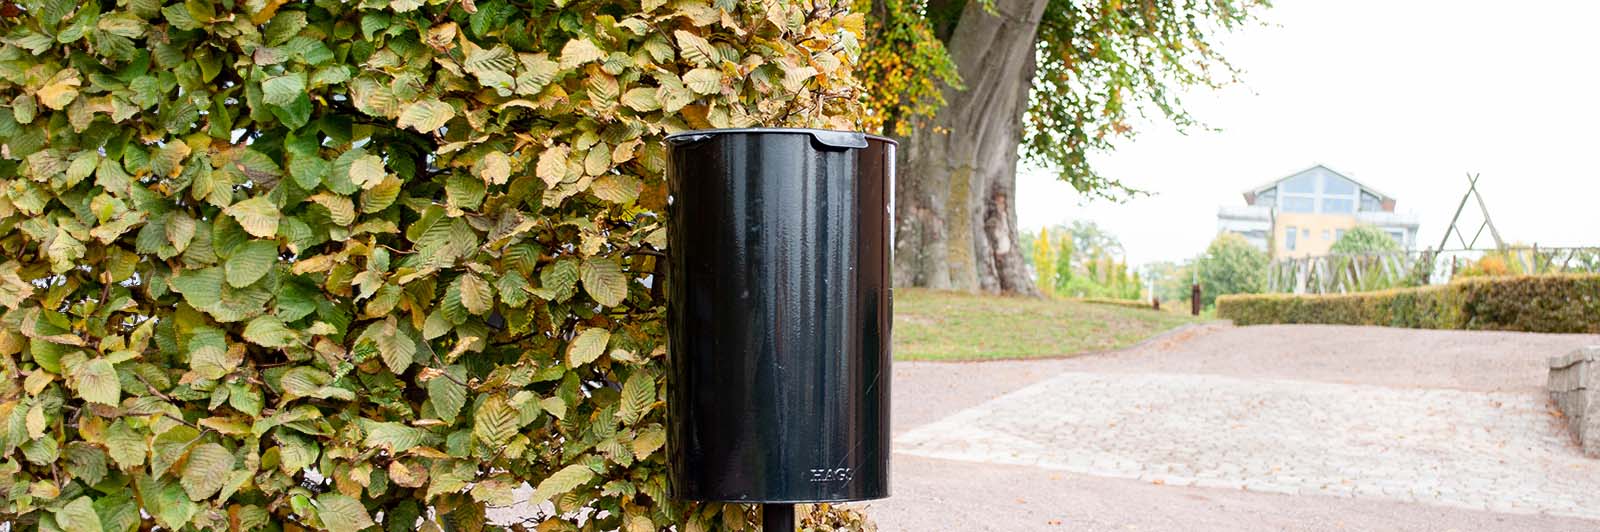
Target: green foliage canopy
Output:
{"points": [[1364, 239], [1099, 63], [908, 63], [1045, 262], [319, 264], [1078, 260], [1231, 265]]}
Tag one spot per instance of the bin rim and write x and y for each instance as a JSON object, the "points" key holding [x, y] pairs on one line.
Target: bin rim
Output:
{"points": [[819, 134]]}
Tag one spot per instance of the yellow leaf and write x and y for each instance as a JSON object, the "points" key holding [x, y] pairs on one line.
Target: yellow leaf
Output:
{"points": [[381, 195], [494, 168], [266, 12], [476, 294], [256, 215], [60, 89], [598, 160], [696, 49], [587, 346], [703, 80], [604, 281], [441, 37], [616, 188], [552, 166], [624, 152], [649, 440], [561, 481], [578, 52], [367, 171], [427, 115], [341, 210]]}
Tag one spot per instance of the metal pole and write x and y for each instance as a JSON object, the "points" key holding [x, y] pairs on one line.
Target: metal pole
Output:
{"points": [[777, 518]]}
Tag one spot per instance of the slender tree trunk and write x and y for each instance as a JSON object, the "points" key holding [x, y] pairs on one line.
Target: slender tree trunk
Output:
{"points": [[955, 207]]}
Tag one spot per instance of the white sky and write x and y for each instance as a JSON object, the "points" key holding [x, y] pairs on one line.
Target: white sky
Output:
{"points": [[1405, 96]]}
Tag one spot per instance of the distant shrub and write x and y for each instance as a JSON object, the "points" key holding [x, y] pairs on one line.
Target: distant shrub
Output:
{"points": [[1488, 266], [1364, 239], [1044, 262], [1231, 265], [1501, 262], [1568, 303]]}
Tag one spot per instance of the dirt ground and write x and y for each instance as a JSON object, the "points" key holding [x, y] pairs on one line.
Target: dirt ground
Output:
{"points": [[933, 494]]}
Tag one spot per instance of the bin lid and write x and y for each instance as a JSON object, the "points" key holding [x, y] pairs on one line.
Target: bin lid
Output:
{"points": [[826, 137]]}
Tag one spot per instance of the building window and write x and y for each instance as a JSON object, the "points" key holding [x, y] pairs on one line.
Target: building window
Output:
{"points": [[1298, 204], [1338, 234], [1325, 234], [1268, 198], [1319, 191], [1301, 184], [1338, 205], [1370, 202], [1399, 237], [1337, 186], [1289, 238]]}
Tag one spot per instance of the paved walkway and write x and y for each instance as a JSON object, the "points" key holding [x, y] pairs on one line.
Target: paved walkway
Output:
{"points": [[1485, 451], [1275, 427]]}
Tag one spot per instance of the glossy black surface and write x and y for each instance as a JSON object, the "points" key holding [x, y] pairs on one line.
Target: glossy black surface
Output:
{"points": [[779, 315]]}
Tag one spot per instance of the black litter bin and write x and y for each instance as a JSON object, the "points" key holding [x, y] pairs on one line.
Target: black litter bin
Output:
{"points": [[779, 315]]}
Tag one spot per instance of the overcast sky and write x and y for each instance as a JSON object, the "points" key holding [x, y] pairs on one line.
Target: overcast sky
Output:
{"points": [[1405, 96]]}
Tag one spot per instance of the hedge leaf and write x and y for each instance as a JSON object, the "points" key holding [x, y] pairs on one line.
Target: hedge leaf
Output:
{"points": [[296, 264]]}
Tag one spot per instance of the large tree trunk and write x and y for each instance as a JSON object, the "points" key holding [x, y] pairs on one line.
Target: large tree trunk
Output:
{"points": [[955, 211]]}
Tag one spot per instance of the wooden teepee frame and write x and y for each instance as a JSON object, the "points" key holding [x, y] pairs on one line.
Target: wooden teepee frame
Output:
{"points": [[1488, 223]]}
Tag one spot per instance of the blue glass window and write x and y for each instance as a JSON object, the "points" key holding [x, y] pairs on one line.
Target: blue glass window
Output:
{"points": [[1332, 184], [1301, 184], [1370, 202], [1267, 198], [1338, 205]]}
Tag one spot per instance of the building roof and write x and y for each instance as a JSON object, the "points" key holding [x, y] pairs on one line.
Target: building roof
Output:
{"points": [[1257, 189]]}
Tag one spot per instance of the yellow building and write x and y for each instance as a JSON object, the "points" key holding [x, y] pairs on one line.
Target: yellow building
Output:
{"points": [[1304, 213]]}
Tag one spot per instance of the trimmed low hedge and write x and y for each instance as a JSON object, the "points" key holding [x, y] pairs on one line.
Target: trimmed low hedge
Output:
{"points": [[1126, 303], [1534, 303]]}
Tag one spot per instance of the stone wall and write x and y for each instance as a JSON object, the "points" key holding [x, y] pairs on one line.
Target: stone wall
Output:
{"points": [[1575, 388]]}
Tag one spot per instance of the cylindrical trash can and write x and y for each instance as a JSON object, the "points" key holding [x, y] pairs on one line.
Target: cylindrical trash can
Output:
{"points": [[779, 315]]}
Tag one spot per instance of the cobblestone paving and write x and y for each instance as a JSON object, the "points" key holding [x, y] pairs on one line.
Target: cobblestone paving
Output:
{"points": [[1501, 452]]}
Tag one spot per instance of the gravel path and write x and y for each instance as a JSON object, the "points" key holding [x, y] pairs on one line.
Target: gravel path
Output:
{"points": [[1257, 428]]}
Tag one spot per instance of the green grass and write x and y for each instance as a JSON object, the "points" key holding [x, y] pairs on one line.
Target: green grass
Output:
{"points": [[933, 325]]}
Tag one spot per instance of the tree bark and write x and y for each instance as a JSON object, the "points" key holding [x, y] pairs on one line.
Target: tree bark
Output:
{"points": [[955, 208]]}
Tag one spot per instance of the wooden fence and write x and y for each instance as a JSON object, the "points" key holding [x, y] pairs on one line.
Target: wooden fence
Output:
{"points": [[1334, 274]]}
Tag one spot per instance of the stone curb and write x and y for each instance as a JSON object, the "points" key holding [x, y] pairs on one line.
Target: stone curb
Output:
{"points": [[1574, 387]]}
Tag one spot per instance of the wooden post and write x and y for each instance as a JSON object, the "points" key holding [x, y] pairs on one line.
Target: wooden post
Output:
{"points": [[1194, 299]]}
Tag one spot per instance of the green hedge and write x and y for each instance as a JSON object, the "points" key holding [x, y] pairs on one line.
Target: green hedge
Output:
{"points": [[316, 264], [1541, 303]]}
